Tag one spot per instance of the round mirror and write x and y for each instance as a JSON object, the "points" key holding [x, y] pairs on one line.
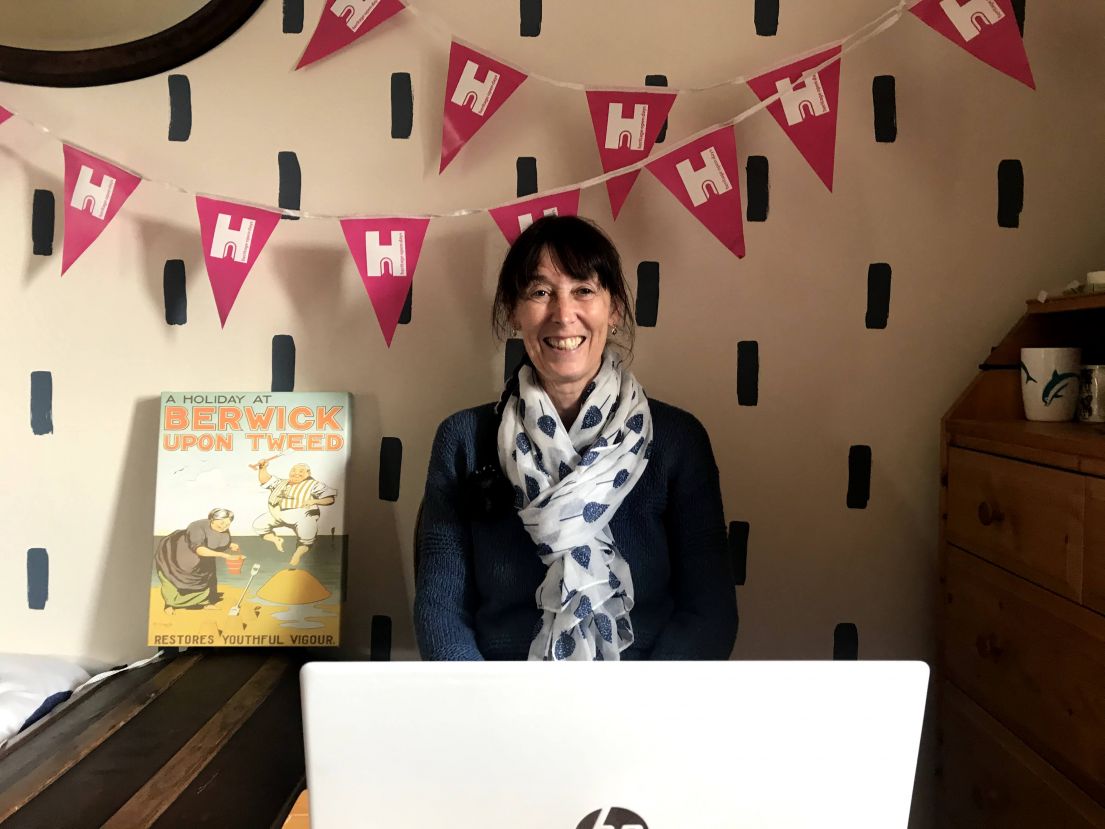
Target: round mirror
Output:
{"points": [[93, 42]]}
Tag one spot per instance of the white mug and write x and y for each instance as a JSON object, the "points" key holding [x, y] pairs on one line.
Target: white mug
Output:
{"points": [[1049, 382]]}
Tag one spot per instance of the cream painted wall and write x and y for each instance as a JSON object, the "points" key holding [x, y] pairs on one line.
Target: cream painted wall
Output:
{"points": [[926, 204]]}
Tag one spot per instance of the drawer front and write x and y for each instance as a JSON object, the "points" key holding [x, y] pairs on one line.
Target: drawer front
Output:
{"points": [[991, 780], [1093, 575], [1033, 660], [1023, 517]]}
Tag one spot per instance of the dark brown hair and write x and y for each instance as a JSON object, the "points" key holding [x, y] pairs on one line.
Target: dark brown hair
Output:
{"points": [[578, 248]]}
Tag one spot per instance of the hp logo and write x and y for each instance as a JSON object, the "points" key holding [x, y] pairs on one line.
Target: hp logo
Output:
{"points": [[614, 818]]}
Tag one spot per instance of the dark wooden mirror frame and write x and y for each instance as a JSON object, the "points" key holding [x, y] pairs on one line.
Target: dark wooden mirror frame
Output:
{"points": [[187, 40]]}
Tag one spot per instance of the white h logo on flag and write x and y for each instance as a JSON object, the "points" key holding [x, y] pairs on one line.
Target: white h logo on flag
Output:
{"points": [[803, 103], [972, 15], [358, 11], [708, 181], [84, 191], [526, 219], [237, 240], [632, 128], [475, 95], [395, 254]]}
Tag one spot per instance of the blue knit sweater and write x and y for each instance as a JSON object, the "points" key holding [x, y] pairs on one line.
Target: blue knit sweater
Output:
{"points": [[477, 577]]}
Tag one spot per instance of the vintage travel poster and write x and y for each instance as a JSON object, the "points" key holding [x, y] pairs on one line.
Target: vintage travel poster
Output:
{"points": [[249, 540]]}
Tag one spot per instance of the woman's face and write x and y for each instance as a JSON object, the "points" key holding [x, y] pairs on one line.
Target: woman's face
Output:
{"points": [[220, 525], [563, 323]]}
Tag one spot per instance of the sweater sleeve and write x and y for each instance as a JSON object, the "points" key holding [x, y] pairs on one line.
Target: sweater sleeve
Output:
{"points": [[445, 597], [703, 624]]}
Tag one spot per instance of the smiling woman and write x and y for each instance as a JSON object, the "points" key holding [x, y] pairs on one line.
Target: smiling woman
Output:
{"points": [[565, 294], [94, 42], [577, 518]]}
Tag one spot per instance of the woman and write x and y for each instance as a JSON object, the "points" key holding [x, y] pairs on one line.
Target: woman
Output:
{"points": [[185, 561], [575, 519]]}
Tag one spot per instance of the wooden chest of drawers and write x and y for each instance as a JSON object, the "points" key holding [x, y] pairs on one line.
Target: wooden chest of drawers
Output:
{"points": [[1020, 676], [1017, 637]]}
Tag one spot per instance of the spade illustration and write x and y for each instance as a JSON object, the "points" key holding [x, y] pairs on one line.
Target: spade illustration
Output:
{"points": [[253, 571]]}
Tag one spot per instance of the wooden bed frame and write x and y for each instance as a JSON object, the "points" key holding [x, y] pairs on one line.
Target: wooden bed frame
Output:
{"points": [[201, 737]]}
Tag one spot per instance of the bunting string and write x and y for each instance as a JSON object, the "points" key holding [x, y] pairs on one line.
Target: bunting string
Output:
{"points": [[866, 32], [433, 23], [701, 171]]}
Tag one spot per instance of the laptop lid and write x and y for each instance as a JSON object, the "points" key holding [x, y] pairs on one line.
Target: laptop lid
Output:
{"points": [[660, 745]]}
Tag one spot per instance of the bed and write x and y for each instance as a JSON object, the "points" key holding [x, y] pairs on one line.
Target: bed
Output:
{"points": [[200, 737]]}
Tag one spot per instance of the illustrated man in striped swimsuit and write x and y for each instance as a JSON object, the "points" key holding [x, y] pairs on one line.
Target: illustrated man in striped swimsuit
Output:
{"points": [[293, 503]]}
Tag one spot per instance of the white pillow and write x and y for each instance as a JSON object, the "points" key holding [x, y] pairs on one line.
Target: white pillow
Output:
{"points": [[26, 681]]}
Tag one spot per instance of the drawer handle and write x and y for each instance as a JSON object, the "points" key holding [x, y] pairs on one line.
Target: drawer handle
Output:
{"points": [[987, 646], [988, 515]]}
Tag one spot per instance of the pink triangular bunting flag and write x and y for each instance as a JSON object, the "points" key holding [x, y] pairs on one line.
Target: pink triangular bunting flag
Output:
{"points": [[344, 21], [512, 219], [475, 89], [704, 177], [626, 125], [386, 252], [95, 190], [4, 115], [806, 109], [233, 236], [985, 28]]}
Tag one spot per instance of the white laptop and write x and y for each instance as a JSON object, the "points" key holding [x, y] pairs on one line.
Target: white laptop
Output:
{"points": [[662, 745]]}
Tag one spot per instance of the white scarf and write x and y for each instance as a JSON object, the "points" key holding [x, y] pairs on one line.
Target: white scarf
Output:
{"points": [[567, 486]]}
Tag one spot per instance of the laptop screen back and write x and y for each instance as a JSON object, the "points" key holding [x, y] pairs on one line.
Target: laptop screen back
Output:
{"points": [[706, 745]]}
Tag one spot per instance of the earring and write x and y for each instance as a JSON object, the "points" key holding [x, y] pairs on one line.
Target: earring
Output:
{"points": [[513, 332], [614, 331]]}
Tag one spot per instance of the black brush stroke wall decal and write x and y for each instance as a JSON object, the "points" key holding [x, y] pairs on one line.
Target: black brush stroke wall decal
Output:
{"points": [[859, 477], [180, 108], [402, 105], [291, 182], [42, 403], [405, 314], [1010, 193], [648, 294], [38, 578], [391, 466], [293, 17], [283, 363], [738, 550], [515, 352], [42, 223], [884, 104], [748, 372], [757, 175], [526, 167], [767, 17], [176, 292], [659, 80], [380, 641], [529, 13], [1018, 12], [846, 641], [878, 295]]}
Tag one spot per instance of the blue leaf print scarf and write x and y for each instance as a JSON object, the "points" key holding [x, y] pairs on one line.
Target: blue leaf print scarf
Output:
{"points": [[568, 483]]}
